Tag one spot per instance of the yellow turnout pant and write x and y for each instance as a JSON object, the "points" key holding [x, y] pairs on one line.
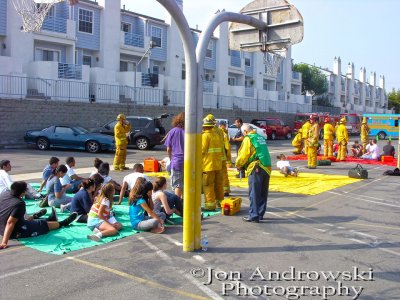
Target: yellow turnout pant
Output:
{"points": [[342, 152], [120, 157], [227, 188], [328, 147], [305, 143], [213, 187], [312, 156]]}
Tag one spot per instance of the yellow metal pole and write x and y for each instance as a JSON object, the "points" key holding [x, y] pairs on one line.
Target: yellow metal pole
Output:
{"points": [[189, 192], [197, 207]]}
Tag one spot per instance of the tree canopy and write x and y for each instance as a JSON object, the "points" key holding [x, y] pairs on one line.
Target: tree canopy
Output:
{"points": [[394, 100], [314, 81]]}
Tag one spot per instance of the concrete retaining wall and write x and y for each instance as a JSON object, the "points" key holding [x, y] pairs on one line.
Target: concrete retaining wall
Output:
{"points": [[18, 116]]}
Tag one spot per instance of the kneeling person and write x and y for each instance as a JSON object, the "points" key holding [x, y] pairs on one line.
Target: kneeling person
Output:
{"points": [[12, 222]]}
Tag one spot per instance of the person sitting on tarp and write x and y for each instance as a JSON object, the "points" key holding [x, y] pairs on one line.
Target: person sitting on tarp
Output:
{"points": [[12, 217], [165, 202], [356, 149], [297, 142], [388, 149], [372, 151], [284, 166]]}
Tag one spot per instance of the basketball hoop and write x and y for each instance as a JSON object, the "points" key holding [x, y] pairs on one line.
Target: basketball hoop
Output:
{"points": [[33, 12], [272, 61]]}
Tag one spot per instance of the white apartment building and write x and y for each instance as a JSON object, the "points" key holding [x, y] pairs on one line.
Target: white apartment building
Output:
{"points": [[96, 51], [362, 95]]}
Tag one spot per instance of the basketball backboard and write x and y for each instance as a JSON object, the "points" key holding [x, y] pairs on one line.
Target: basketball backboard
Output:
{"points": [[284, 26]]}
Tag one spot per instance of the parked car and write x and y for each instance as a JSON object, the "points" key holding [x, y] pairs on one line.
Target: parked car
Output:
{"points": [[274, 127], [146, 132], [232, 129], [69, 137]]}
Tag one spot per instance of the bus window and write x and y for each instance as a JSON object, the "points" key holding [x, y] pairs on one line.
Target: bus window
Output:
{"points": [[396, 123]]}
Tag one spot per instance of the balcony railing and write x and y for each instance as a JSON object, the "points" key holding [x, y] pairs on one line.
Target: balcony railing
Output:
{"points": [[133, 39], [236, 61], [55, 24], [16, 87], [249, 92], [69, 71], [208, 86]]}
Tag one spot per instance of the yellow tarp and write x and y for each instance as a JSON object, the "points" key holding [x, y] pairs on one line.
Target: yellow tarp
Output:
{"points": [[305, 183]]}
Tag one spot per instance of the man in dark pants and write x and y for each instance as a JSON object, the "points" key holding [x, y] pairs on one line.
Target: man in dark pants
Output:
{"points": [[255, 158], [237, 140]]}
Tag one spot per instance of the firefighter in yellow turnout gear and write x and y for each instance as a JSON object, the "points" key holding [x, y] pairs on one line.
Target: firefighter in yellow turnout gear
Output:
{"points": [[304, 129], [212, 154], [342, 138], [313, 137], [329, 133], [227, 151], [122, 131], [297, 142], [364, 133]]}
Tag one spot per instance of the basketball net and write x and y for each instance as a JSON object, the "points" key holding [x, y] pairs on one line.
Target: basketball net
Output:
{"points": [[272, 61], [33, 12]]}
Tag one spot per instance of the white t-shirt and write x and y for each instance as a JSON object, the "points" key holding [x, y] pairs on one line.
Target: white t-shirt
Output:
{"points": [[374, 149], [5, 181], [67, 178], [282, 163], [130, 179]]}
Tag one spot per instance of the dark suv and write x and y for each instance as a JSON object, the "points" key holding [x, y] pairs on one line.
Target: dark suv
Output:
{"points": [[274, 127], [146, 132]]}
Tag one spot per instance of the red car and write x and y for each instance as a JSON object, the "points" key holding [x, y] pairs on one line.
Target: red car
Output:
{"points": [[274, 127]]}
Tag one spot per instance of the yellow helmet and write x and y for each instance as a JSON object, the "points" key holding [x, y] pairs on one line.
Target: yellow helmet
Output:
{"points": [[207, 121], [300, 130], [343, 120], [121, 116], [211, 117]]}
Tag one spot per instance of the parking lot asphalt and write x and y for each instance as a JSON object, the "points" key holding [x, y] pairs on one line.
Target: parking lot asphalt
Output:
{"points": [[340, 244]]}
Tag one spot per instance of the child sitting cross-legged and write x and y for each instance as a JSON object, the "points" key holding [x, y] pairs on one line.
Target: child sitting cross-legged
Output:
{"points": [[139, 203], [100, 217]]}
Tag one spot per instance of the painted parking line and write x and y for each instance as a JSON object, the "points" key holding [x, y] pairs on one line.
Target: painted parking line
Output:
{"points": [[164, 256], [333, 197], [137, 279], [54, 262]]}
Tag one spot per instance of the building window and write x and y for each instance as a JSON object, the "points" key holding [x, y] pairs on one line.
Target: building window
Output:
{"points": [[47, 55], [247, 62], [183, 72], [127, 66], [209, 51], [156, 33], [156, 69], [87, 60], [126, 27], [85, 21], [232, 81]]}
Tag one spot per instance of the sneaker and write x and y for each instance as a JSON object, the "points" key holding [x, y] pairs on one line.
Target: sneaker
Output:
{"points": [[94, 237], [39, 214], [124, 168], [69, 219], [44, 202], [96, 230], [64, 208], [53, 215]]}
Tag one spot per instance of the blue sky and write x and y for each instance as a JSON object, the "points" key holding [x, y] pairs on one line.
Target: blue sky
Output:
{"points": [[364, 32]]}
